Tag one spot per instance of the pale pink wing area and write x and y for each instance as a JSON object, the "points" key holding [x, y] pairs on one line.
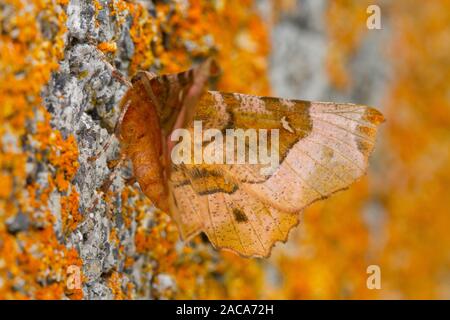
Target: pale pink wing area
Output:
{"points": [[330, 158]]}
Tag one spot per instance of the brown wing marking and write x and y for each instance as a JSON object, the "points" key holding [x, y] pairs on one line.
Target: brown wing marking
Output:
{"points": [[327, 150], [329, 159], [236, 221], [238, 111]]}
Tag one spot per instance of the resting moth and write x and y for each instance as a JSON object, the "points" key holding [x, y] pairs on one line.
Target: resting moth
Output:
{"points": [[323, 148]]}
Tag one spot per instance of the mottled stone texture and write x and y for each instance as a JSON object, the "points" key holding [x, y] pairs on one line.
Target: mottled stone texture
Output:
{"points": [[82, 98], [59, 107]]}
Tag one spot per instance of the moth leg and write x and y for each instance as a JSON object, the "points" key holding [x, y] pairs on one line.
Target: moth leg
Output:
{"points": [[113, 174], [130, 181], [103, 150], [116, 133], [115, 73], [118, 75], [108, 181], [121, 116]]}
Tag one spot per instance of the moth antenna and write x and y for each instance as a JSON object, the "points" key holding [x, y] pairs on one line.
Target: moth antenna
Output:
{"points": [[121, 116], [103, 150], [119, 76], [116, 74], [130, 181], [112, 175]]}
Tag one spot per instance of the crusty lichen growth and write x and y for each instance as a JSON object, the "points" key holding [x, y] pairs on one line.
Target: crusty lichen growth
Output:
{"points": [[49, 217], [33, 260]]}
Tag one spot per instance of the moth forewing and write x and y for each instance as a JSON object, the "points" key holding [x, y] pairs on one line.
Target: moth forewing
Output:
{"points": [[323, 148]]}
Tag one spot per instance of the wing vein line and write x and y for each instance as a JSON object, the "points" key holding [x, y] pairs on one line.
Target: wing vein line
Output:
{"points": [[365, 123], [303, 179], [254, 230], [350, 161], [209, 211], [193, 208], [273, 219], [339, 112], [352, 133], [232, 222], [211, 220], [322, 133], [323, 166]]}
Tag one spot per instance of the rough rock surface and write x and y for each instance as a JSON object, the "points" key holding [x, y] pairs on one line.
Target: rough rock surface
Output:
{"points": [[82, 98], [59, 107]]}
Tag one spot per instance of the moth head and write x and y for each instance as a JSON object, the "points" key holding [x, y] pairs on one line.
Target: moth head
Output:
{"points": [[151, 89], [174, 96]]}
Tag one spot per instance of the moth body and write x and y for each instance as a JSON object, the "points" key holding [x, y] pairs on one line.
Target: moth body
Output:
{"points": [[141, 141], [155, 106]]}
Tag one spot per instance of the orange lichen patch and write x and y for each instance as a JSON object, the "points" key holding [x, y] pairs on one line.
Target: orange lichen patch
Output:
{"points": [[39, 262], [70, 214], [115, 284], [33, 261], [158, 241], [126, 209], [6, 184], [180, 33], [97, 5], [62, 154], [107, 47], [143, 33], [113, 238], [240, 42], [129, 261], [52, 292]]}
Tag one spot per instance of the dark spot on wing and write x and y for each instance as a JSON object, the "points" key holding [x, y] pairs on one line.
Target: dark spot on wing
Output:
{"points": [[239, 215]]}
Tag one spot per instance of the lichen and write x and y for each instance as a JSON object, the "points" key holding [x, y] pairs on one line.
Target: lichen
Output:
{"points": [[34, 260], [44, 154]]}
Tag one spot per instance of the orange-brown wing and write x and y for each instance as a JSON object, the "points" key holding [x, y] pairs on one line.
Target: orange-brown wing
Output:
{"points": [[151, 108], [324, 147], [176, 95], [203, 200]]}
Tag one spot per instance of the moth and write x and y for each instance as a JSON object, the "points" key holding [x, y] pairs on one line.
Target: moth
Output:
{"points": [[323, 147]]}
